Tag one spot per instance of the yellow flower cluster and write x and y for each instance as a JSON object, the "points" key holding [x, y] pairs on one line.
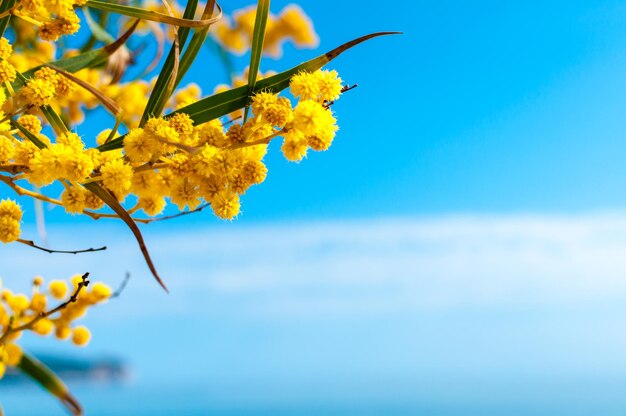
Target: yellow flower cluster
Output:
{"points": [[171, 158], [21, 312], [54, 18], [291, 24], [10, 217], [207, 163]]}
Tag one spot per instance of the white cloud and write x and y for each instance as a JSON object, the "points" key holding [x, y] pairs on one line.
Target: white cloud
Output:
{"points": [[358, 265]]}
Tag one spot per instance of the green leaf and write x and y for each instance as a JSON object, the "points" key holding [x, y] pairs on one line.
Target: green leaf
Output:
{"points": [[112, 202], [258, 40], [219, 105], [5, 6], [106, 101], [149, 15], [198, 38], [97, 31], [164, 84], [30, 136], [85, 60], [54, 119], [40, 373], [70, 65]]}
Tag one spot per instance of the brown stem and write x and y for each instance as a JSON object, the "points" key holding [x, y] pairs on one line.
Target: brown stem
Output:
{"points": [[47, 250]]}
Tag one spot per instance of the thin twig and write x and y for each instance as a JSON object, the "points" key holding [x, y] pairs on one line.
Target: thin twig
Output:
{"points": [[345, 88], [180, 214], [25, 192], [14, 169], [122, 286], [265, 140], [47, 250]]}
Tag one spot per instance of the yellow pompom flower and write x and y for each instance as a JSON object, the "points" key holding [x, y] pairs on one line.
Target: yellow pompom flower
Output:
{"points": [[7, 149], [62, 332], [310, 117], [14, 354], [31, 123], [10, 217], [226, 204], [43, 327], [73, 199], [329, 84], [305, 86], [185, 193], [7, 72], [81, 336], [294, 146], [137, 146], [58, 289], [11, 209], [38, 302], [9, 230], [18, 303], [5, 48], [71, 140], [299, 26], [100, 292], [117, 176], [152, 205], [39, 92]]}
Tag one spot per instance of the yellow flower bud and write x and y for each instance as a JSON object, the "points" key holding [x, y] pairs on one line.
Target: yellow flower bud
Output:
{"points": [[81, 336]]}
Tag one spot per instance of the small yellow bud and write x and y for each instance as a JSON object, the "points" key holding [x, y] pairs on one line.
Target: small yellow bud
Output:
{"points": [[63, 332], [43, 327], [100, 291], [14, 354], [38, 302], [81, 336], [58, 289], [18, 303]]}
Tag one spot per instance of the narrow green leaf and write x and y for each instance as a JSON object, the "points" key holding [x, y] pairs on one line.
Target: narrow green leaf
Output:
{"points": [[5, 6], [195, 44], [54, 119], [106, 101], [30, 136], [149, 15], [40, 373], [160, 94], [71, 65], [88, 59], [96, 30], [219, 105], [112, 202], [258, 40]]}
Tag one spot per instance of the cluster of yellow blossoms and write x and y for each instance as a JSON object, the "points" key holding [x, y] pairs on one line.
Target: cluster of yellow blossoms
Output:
{"points": [[291, 24], [155, 161], [53, 18], [170, 157], [10, 217], [20, 313]]}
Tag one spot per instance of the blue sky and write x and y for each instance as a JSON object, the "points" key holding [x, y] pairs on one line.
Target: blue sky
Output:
{"points": [[464, 235], [479, 107]]}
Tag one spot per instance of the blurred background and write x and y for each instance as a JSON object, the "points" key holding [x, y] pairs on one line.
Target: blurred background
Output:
{"points": [[460, 249]]}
